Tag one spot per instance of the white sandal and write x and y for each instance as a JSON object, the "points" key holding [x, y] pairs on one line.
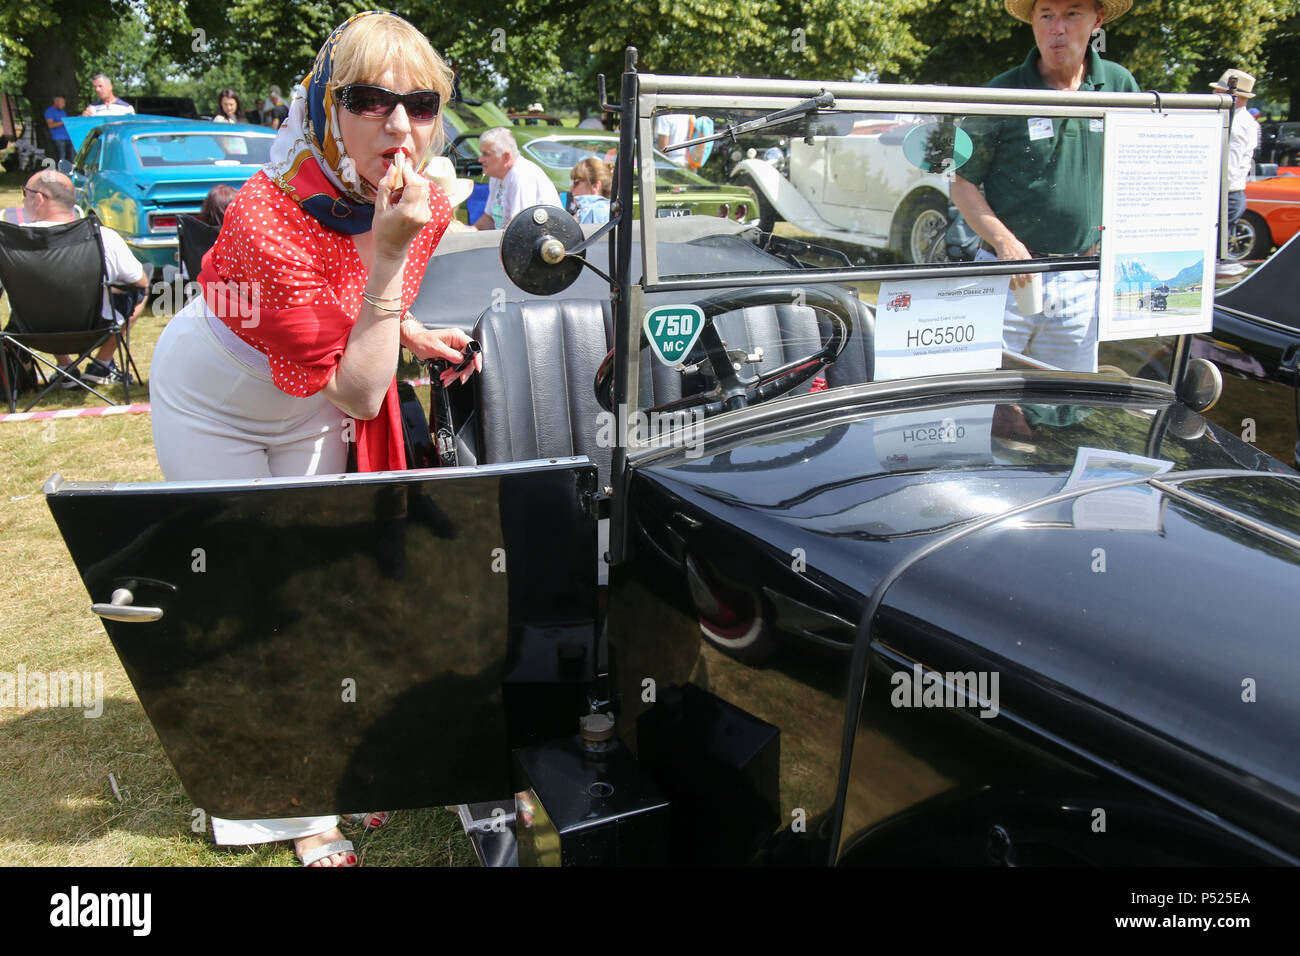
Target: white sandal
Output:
{"points": [[318, 853]]}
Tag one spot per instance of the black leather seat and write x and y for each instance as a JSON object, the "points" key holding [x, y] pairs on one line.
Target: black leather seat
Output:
{"points": [[540, 356], [535, 393], [857, 363]]}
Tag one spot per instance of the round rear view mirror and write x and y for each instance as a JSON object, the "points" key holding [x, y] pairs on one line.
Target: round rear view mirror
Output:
{"points": [[1184, 423], [535, 250], [1201, 386]]}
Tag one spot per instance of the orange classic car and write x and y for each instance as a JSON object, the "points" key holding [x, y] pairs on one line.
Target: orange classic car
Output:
{"points": [[1272, 215]]}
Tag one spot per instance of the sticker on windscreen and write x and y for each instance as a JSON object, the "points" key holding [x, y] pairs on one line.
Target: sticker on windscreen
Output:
{"points": [[937, 147], [673, 331]]}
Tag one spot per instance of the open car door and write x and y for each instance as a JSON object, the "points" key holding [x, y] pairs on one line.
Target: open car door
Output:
{"points": [[315, 645]]}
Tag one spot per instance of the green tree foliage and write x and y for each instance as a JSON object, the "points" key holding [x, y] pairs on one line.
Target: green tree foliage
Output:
{"points": [[127, 56], [521, 51], [966, 43], [1281, 76], [279, 39], [515, 52], [1181, 45], [833, 39], [48, 36]]}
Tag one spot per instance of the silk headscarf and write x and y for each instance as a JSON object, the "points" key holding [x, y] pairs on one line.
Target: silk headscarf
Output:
{"points": [[309, 159], [305, 339]]}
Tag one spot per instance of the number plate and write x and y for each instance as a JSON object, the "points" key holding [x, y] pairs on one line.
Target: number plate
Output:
{"points": [[671, 212]]}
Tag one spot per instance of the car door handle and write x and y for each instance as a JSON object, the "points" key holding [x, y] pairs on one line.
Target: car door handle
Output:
{"points": [[1289, 366], [120, 608]]}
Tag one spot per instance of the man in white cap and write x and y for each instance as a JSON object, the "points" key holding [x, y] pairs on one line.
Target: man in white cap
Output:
{"points": [[1243, 140], [441, 171], [1042, 178]]}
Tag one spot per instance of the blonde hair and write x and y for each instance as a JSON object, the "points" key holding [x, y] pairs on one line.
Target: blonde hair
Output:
{"points": [[368, 48]]}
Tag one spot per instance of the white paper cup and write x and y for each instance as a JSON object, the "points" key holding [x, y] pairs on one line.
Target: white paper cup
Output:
{"points": [[1029, 298]]}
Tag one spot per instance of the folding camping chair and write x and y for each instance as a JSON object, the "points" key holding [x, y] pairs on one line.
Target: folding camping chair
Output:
{"points": [[54, 279], [196, 238]]}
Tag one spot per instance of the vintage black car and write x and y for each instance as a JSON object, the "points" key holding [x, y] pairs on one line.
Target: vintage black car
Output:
{"points": [[722, 576], [1255, 343], [1157, 300], [1279, 143]]}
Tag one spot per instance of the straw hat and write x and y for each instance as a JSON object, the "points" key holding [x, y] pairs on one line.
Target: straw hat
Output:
{"points": [[442, 172], [1110, 9], [1245, 82]]}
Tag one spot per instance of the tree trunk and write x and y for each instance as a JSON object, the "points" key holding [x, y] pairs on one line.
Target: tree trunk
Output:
{"points": [[51, 71]]}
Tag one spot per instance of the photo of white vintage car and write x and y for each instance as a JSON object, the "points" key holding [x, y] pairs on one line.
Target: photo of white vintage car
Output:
{"points": [[855, 185]]}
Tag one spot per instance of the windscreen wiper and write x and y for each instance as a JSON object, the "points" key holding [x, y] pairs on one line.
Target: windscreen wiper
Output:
{"points": [[822, 101]]}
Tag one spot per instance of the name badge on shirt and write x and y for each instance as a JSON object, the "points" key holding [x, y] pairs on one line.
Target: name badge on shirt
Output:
{"points": [[1096, 125], [1040, 128]]}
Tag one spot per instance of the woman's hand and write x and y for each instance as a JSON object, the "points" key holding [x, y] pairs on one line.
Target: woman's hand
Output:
{"points": [[440, 344], [401, 209]]}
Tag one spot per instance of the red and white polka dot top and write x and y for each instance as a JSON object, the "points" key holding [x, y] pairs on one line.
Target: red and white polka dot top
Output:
{"points": [[291, 288]]}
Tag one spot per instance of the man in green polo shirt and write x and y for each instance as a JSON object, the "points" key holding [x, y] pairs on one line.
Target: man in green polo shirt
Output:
{"points": [[1042, 178]]}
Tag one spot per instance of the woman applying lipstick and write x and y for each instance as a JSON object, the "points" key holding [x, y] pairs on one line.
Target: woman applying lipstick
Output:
{"points": [[291, 349]]}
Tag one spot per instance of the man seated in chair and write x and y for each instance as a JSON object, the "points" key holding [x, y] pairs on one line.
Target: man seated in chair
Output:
{"points": [[47, 201]]}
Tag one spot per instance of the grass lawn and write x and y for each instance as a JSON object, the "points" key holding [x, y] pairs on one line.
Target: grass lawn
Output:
{"points": [[57, 804]]}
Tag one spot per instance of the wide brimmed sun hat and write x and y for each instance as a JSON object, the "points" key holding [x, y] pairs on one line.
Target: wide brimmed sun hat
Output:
{"points": [[442, 172], [1110, 9], [1245, 82]]}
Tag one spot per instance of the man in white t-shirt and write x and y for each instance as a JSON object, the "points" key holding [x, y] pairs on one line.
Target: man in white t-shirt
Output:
{"points": [[1243, 140], [48, 198], [673, 128], [514, 183], [108, 105]]}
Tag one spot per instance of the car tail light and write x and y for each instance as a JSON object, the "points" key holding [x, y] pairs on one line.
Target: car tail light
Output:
{"points": [[742, 212], [162, 221], [724, 210]]}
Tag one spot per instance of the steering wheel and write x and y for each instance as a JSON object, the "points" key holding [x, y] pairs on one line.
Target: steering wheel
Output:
{"points": [[731, 389]]}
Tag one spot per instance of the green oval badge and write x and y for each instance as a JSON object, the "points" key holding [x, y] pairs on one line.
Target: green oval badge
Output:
{"points": [[673, 331], [929, 145]]}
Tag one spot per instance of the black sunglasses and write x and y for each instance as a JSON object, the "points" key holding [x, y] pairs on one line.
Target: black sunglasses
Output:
{"points": [[35, 192], [366, 100]]}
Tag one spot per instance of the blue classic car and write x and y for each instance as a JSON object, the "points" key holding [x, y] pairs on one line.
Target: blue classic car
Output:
{"points": [[138, 173]]}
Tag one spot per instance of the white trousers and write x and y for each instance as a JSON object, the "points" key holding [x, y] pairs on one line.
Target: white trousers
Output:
{"points": [[1064, 334], [217, 414], [245, 832]]}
